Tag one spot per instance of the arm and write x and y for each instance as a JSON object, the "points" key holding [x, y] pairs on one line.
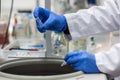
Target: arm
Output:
{"points": [[98, 19], [109, 62], [83, 23]]}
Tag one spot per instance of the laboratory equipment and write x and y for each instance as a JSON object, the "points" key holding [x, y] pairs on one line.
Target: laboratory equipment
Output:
{"points": [[33, 64], [80, 44], [22, 29], [3, 27], [78, 4], [0, 8], [59, 44], [40, 24], [42, 69], [24, 48], [91, 44], [8, 25], [63, 64]]}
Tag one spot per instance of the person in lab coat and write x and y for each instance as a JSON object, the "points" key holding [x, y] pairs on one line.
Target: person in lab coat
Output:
{"points": [[95, 20]]}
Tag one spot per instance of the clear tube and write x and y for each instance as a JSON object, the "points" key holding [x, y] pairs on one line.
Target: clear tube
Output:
{"points": [[40, 23]]}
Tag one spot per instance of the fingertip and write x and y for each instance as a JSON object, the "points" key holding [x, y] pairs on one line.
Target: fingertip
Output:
{"points": [[42, 31], [70, 54], [36, 11], [66, 57], [69, 61], [40, 28], [44, 26]]}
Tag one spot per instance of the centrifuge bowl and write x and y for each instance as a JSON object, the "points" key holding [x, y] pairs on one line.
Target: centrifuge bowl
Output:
{"points": [[33, 69]]}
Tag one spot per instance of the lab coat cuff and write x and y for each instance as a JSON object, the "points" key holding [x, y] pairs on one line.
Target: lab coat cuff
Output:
{"points": [[101, 63], [68, 37], [68, 19], [71, 19]]}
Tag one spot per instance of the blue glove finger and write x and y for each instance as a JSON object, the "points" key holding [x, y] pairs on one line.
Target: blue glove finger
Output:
{"points": [[55, 22], [49, 23], [86, 63], [40, 26], [86, 67], [73, 60], [36, 12], [70, 54], [78, 56]]}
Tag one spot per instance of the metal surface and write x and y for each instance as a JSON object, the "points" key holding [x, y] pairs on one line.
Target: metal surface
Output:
{"points": [[36, 69]]}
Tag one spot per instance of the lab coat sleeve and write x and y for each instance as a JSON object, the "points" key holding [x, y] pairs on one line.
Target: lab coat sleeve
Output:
{"points": [[98, 19], [109, 61]]}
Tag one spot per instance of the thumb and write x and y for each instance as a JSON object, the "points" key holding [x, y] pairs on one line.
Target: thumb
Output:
{"points": [[48, 24]]}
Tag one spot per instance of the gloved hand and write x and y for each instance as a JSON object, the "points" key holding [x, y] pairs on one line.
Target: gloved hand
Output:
{"points": [[82, 61], [50, 20]]}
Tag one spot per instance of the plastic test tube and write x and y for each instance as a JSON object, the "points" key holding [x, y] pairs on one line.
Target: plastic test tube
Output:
{"points": [[40, 22], [63, 64]]}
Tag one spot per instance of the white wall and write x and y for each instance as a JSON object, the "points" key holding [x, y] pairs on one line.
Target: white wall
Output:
{"points": [[18, 4]]}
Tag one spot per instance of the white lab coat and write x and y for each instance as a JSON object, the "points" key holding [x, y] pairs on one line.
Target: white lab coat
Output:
{"points": [[98, 19]]}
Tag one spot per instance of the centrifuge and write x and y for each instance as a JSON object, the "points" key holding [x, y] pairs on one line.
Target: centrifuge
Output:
{"points": [[25, 64], [42, 69]]}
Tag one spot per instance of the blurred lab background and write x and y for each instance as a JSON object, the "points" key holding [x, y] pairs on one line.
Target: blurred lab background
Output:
{"points": [[22, 27]]}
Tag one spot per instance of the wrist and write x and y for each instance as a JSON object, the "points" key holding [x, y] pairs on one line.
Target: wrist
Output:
{"points": [[65, 30]]}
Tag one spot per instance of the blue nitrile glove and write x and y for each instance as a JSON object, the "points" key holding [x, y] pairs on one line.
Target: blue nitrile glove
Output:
{"points": [[82, 61], [50, 20]]}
